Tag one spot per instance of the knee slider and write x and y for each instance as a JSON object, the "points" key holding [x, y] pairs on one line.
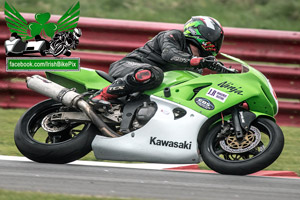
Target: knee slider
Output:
{"points": [[143, 75]]}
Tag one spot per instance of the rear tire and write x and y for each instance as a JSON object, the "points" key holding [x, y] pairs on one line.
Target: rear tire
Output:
{"points": [[68, 148], [245, 163]]}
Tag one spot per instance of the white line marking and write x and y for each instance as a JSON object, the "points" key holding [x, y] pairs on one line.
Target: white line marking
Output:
{"points": [[154, 166]]}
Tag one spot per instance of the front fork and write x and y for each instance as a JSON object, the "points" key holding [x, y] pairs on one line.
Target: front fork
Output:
{"points": [[237, 123], [241, 120]]}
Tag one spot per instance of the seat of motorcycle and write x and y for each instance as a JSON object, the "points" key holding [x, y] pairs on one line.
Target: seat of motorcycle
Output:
{"points": [[105, 76]]}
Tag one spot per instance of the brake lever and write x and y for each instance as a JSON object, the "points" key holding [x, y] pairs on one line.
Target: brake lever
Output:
{"points": [[223, 69], [231, 70]]}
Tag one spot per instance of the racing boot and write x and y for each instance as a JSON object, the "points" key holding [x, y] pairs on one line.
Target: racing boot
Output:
{"points": [[101, 99], [103, 95], [123, 86]]}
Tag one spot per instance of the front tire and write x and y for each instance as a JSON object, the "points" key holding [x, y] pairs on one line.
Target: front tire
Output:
{"points": [[229, 162], [66, 145]]}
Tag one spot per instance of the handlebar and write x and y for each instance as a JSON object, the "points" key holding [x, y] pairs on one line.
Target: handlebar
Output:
{"points": [[222, 69]]}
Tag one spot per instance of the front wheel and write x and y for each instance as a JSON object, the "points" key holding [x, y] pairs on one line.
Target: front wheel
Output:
{"points": [[259, 148], [42, 140]]}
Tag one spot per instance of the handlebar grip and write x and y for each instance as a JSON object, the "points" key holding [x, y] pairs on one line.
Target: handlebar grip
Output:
{"points": [[223, 69]]}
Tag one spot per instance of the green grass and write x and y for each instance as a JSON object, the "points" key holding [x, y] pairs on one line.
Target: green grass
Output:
{"points": [[265, 14], [289, 159], [8, 120], [24, 195]]}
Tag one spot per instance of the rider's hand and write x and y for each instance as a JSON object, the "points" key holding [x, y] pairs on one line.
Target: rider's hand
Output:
{"points": [[206, 62], [211, 63], [220, 68]]}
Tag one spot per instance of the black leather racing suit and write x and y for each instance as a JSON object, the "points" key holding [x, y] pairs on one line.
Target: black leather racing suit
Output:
{"points": [[167, 51]]}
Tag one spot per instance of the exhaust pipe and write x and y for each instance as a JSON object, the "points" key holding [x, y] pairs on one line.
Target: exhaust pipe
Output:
{"points": [[69, 98]]}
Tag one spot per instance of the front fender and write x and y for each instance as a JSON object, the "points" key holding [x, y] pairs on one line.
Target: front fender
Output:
{"points": [[259, 114]]}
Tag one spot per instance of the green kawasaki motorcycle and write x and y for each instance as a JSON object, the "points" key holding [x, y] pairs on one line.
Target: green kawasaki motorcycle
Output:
{"points": [[225, 119]]}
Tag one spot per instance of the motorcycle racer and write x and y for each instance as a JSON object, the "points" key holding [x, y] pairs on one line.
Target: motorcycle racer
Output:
{"points": [[144, 68]]}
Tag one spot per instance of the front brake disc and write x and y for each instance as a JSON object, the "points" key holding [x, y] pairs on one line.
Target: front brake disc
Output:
{"points": [[250, 141]]}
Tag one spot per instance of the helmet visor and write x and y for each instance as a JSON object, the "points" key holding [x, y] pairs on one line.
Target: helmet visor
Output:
{"points": [[218, 43], [211, 34]]}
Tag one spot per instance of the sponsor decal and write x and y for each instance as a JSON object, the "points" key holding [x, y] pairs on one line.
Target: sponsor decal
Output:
{"points": [[230, 87], [116, 88], [166, 143], [180, 59], [204, 103], [217, 94]]}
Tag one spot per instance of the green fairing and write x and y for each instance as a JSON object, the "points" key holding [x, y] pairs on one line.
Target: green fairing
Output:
{"points": [[87, 79], [251, 87], [174, 78], [83, 80], [254, 86]]}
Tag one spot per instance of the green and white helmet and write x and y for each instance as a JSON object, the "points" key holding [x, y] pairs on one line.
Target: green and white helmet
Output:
{"points": [[206, 33]]}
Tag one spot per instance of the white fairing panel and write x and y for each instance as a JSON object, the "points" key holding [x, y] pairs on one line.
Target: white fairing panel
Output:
{"points": [[163, 139]]}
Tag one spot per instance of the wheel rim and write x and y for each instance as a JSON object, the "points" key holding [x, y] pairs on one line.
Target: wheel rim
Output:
{"points": [[252, 145], [37, 132]]}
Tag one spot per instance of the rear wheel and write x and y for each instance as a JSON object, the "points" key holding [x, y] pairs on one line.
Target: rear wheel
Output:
{"points": [[42, 140], [259, 148]]}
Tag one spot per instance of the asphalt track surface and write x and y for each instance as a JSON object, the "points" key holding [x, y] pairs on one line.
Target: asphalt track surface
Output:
{"points": [[142, 183]]}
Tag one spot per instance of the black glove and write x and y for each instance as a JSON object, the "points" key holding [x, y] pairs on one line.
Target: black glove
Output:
{"points": [[208, 62], [220, 68]]}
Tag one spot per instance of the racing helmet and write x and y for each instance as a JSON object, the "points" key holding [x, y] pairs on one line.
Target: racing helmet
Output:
{"points": [[77, 32], [206, 33]]}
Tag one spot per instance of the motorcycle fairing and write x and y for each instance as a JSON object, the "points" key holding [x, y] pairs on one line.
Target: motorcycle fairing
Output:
{"points": [[83, 80], [251, 87], [164, 139], [88, 79]]}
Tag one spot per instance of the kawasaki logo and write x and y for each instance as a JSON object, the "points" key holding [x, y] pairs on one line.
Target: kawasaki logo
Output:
{"points": [[165, 143]]}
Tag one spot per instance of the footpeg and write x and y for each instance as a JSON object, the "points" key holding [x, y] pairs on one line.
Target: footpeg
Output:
{"points": [[100, 104]]}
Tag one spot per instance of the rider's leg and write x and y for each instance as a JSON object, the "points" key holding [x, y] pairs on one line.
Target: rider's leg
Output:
{"points": [[142, 78]]}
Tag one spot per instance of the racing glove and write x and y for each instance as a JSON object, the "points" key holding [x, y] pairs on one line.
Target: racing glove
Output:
{"points": [[206, 62], [211, 63]]}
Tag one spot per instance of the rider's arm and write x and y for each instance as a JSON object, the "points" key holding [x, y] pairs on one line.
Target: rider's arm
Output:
{"points": [[172, 44]]}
